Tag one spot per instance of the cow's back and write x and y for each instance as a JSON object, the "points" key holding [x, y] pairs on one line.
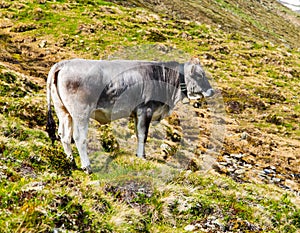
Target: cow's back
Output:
{"points": [[117, 86]]}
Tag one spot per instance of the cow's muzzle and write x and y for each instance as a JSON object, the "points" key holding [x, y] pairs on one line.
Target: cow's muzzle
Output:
{"points": [[199, 95], [209, 93]]}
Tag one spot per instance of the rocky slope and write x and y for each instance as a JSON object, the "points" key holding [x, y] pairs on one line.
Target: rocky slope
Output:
{"points": [[231, 166]]}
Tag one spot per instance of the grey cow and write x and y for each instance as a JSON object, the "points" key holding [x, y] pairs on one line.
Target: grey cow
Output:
{"points": [[109, 90]]}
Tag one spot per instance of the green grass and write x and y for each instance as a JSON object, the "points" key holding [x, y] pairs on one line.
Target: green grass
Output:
{"points": [[40, 192]]}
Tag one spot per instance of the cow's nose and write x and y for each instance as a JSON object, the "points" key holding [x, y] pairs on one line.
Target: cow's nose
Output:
{"points": [[209, 93]]}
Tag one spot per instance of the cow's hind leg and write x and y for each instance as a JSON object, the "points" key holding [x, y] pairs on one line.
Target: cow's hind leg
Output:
{"points": [[80, 130], [65, 131], [142, 123]]}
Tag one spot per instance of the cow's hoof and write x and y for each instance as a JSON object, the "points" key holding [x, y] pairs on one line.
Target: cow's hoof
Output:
{"points": [[87, 170], [73, 164], [141, 156]]}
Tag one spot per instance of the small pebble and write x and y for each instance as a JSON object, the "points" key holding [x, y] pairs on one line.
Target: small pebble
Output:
{"points": [[276, 180], [238, 156], [239, 171], [244, 135], [43, 44], [190, 228], [268, 171]]}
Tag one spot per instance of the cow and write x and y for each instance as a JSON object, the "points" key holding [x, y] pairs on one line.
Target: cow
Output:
{"points": [[107, 90]]}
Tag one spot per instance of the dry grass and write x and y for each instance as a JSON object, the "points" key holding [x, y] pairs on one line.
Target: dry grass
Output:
{"points": [[256, 115]]}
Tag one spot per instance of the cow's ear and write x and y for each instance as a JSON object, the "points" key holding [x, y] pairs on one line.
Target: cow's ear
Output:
{"points": [[195, 61], [193, 69]]}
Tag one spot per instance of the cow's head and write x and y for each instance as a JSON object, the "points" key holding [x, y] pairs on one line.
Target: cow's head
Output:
{"points": [[196, 80]]}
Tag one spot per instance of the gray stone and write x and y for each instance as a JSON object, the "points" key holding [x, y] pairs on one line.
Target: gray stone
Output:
{"points": [[237, 156], [244, 136], [268, 171], [239, 171], [43, 44], [276, 180]]}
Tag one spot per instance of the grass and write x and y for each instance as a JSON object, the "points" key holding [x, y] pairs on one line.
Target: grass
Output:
{"points": [[40, 192]]}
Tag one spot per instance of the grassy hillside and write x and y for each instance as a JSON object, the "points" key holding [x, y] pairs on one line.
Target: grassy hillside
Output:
{"points": [[251, 51], [259, 19]]}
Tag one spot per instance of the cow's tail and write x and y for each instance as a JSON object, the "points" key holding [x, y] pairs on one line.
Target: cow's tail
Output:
{"points": [[51, 126]]}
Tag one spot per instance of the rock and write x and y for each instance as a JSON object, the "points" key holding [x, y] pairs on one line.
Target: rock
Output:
{"points": [[34, 186], [230, 170], [190, 228], [223, 163], [169, 148], [239, 171], [213, 224], [237, 156], [248, 166], [244, 136], [94, 183], [43, 44], [197, 105], [268, 171], [276, 180]]}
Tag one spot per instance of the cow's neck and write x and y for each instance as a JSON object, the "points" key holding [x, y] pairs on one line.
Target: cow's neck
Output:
{"points": [[182, 80]]}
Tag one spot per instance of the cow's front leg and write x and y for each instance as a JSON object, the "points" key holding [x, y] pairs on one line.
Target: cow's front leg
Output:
{"points": [[142, 123]]}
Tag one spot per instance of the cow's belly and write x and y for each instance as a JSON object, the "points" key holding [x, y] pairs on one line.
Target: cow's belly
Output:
{"points": [[107, 115], [160, 113], [104, 116], [101, 115]]}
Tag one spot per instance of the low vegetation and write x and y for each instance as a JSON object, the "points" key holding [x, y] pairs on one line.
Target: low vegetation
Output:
{"points": [[253, 182]]}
